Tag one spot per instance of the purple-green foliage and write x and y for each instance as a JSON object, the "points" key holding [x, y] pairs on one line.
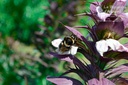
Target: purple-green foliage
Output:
{"points": [[103, 49]]}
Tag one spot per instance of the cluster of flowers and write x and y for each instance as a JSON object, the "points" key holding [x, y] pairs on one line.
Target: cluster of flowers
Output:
{"points": [[111, 25]]}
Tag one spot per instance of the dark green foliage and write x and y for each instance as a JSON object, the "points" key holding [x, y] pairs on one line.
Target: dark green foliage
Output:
{"points": [[26, 30], [20, 18]]}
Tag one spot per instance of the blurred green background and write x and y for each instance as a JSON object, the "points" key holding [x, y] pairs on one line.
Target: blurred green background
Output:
{"points": [[26, 29]]}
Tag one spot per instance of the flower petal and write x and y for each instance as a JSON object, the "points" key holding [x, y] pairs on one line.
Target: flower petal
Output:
{"points": [[118, 6], [124, 18], [73, 50], [103, 81], [126, 45], [93, 7], [101, 46], [93, 81], [116, 46], [56, 42], [102, 15], [116, 29], [113, 44], [64, 81]]}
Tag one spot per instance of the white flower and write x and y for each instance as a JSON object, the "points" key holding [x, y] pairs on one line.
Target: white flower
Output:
{"points": [[101, 46], [104, 45], [102, 15], [56, 43]]}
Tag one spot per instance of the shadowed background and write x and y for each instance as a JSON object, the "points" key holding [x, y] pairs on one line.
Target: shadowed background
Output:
{"points": [[27, 28]]}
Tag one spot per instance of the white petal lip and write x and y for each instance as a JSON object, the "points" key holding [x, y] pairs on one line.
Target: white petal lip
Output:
{"points": [[57, 42], [102, 15], [113, 44], [116, 46], [73, 50], [102, 46], [126, 14]]}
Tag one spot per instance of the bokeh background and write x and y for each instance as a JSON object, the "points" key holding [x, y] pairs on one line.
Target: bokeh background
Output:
{"points": [[27, 28]]}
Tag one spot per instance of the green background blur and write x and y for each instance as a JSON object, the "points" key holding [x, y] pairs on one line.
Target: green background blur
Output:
{"points": [[26, 29]]}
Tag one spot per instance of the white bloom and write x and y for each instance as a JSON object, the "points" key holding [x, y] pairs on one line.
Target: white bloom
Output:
{"points": [[73, 50], [104, 45], [56, 43], [113, 44], [126, 14], [101, 46], [102, 15]]}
